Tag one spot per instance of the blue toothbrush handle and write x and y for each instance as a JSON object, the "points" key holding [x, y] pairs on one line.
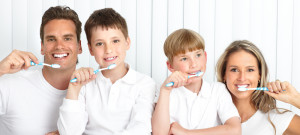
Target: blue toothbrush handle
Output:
{"points": [[75, 79], [262, 88], [169, 84], [33, 64]]}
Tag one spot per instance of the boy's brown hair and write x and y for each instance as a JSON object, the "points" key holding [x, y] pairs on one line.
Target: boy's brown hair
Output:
{"points": [[105, 18], [60, 12], [180, 41]]}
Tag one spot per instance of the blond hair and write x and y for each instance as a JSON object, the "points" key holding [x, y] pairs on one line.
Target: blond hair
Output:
{"points": [[260, 100], [182, 40]]}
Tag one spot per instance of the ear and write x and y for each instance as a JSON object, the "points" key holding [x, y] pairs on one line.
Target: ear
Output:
{"points": [[90, 49], [170, 67], [79, 47], [42, 48], [205, 56], [128, 43]]}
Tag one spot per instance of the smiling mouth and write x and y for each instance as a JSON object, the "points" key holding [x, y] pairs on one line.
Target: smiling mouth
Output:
{"points": [[110, 58], [60, 55], [243, 86]]}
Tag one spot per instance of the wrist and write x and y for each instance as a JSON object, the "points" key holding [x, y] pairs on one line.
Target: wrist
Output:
{"points": [[165, 91], [296, 101]]}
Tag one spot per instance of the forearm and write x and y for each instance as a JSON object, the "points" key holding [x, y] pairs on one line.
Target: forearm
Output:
{"points": [[218, 130], [73, 92], [161, 115], [296, 101]]}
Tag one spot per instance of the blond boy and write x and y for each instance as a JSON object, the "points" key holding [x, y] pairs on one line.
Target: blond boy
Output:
{"points": [[192, 105]]}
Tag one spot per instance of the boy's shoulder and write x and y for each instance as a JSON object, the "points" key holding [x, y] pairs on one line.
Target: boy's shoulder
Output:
{"points": [[214, 88], [138, 77]]}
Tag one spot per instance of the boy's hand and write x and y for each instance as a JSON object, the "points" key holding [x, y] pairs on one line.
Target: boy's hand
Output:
{"points": [[16, 61], [176, 129], [290, 95], [83, 75], [53, 133], [179, 79]]}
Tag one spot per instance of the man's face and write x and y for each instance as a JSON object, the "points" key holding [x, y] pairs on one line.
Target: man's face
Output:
{"points": [[60, 43]]}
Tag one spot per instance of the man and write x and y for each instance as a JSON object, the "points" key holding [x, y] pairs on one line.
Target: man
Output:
{"points": [[30, 100]]}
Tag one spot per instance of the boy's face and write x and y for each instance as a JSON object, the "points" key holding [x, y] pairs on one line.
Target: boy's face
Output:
{"points": [[108, 46], [60, 43], [189, 62]]}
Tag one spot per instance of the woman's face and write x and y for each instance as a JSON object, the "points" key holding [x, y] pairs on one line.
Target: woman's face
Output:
{"points": [[241, 71]]}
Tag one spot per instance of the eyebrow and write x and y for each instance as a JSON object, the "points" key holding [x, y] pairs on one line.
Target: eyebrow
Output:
{"points": [[246, 66]]}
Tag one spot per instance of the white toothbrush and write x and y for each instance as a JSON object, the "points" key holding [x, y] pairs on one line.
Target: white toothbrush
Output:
{"points": [[111, 66], [45, 64], [194, 75], [258, 88]]}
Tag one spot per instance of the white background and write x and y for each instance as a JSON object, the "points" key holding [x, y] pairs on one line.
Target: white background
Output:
{"points": [[273, 25]]}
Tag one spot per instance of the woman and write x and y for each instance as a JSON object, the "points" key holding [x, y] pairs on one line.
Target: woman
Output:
{"points": [[243, 65]]}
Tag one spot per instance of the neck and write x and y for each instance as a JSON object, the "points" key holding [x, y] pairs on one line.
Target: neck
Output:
{"points": [[116, 73], [59, 79], [195, 87], [245, 108]]}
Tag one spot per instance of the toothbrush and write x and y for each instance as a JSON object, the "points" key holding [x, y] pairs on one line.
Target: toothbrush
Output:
{"points": [[111, 66], [45, 64], [197, 74], [258, 88]]}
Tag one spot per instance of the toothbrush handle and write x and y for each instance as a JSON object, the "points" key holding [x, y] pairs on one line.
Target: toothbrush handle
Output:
{"points": [[95, 72], [74, 80], [169, 84], [262, 88], [172, 83]]}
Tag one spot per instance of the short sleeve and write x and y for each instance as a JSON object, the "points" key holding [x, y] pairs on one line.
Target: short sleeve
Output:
{"points": [[226, 108]]}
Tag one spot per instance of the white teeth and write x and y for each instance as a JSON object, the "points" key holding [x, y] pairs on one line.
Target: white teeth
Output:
{"points": [[111, 58], [242, 86], [60, 55]]}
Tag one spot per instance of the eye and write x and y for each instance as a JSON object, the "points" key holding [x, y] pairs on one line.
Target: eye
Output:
{"points": [[250, 70], [67, 39], [99, 44], [183, 59], [116, 41], [199, 54], [234, 70], [50, 39]]}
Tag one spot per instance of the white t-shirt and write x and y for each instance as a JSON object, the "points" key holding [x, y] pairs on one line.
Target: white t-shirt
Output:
{"points": [[29, 105], [258, 124], [103, 108], [211, 107]]}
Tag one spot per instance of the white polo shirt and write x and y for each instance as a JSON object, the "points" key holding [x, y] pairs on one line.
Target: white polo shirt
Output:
{"points": [[103, 108], [211, 107], [258, 124]]}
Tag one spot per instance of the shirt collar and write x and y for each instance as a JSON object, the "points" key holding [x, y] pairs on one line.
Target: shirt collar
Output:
{"points": [[205, 89], [129, 78]]}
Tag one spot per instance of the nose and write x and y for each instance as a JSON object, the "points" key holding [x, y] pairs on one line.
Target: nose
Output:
{"points": [[59, 44], [242, 76], [108, 48], [193, 63]]}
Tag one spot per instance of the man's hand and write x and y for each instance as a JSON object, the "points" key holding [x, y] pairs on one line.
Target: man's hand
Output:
{"points": [[16, 61]]}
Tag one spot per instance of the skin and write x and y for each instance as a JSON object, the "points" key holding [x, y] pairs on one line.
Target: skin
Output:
{"points": [[60, 38], [108, 46], [242, 69], [182, 66]]}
